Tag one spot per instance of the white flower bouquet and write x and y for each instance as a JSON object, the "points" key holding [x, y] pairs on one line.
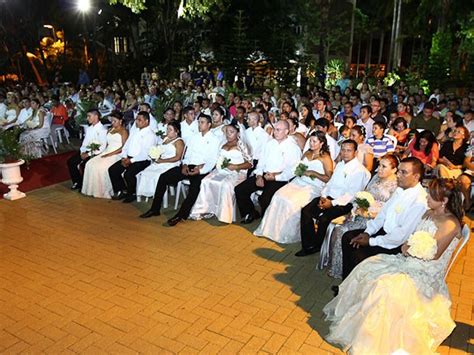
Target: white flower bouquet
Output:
{"points": [[93, 147], [155, 152], [422, 245], [30, 124], [364, 202], [222, 162]]}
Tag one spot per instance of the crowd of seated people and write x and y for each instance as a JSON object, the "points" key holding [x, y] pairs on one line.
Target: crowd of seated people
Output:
{"points": [[294, 163]]}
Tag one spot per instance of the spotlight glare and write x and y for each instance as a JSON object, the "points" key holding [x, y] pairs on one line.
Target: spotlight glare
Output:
{"points": [[84, 5]]}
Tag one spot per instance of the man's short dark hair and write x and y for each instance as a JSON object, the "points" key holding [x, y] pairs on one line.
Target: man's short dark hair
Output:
{"points": [[350, 141], [207, 117], [417, 165], [187, 109], [366, 107], [322, 122], [428, 105], [94, 111], [145, 115]]}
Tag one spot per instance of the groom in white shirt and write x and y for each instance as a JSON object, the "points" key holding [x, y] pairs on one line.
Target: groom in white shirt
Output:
{"points": [[349, 177], [275, 168], [199, 159], [395, 222]]}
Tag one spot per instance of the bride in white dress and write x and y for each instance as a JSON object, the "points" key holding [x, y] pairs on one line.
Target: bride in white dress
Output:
{"points": [[216, 196], [173, 147], [281, 221], [96, 173], [38, 128], [400, 302]]}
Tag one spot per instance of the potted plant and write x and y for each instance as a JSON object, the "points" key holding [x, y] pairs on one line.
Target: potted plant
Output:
{"points": [[11, 158]]}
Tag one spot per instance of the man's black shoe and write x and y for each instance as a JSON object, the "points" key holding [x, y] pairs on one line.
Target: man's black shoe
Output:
{"points": [[247, 219], [129, 199], [75, 186], [174, 221], [335, 290]]}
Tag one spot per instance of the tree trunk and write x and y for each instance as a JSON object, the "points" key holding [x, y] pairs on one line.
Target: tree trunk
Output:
{"points": [[398, 40], [324, 6], [392, 37], [382, 40], [368, 51], [358, 57], [351, 41]]}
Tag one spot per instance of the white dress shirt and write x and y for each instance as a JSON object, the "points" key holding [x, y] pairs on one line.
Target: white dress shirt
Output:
{"points": [[333, 147], [202, 149], [138, 144], [94, 134], [367, 125], [257, 138], [399, 217], [347, 179], [24, 115], [279, 157], [189, 130]]}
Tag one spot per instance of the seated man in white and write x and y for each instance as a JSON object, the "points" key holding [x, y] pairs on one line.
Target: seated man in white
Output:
{"points": [[199, 159], [256, 137], [395, 222], [26, 112], [134, 159], [95, 133], [349, 177], [275, 168], [153, 123], [189, 125]]}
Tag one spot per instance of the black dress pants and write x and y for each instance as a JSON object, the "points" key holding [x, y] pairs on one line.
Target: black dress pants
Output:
{"points": [[129, 180], [351, 256], [76, 166], [172, 177], [248, 187], [311, 239]]}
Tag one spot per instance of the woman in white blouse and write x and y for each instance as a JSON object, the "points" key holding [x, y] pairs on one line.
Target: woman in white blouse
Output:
{"points": [[38, 128]]}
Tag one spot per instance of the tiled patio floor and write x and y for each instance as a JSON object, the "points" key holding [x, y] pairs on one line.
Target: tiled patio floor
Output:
{"points": [[85, 275]]}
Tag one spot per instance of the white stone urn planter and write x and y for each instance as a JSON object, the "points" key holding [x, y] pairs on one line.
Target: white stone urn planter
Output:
{"points": [[11, 176]]}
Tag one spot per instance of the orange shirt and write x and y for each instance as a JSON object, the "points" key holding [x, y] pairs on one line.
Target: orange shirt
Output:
{"points": [[59, 114]]}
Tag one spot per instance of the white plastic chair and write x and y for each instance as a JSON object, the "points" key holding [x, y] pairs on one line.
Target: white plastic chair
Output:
{"points": [[393, 138], [465, 235], [60, 131], [49, 118], [181, 189], [169, 190]]}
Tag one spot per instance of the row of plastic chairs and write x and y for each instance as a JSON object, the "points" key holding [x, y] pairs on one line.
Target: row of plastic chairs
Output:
{"points": [[59, 132]]}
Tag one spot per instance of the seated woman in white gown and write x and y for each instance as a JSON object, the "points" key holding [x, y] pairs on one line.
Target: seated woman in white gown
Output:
{"points": [[172, 149], [281, 221], [96, 173], [37, 129], [216, 197], [401, 302]]}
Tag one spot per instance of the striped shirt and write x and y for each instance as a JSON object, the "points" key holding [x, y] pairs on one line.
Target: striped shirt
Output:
{"points": [[381, 146]]}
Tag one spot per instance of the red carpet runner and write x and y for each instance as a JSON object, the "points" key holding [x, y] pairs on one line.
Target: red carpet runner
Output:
{"points": [[42, 172]]}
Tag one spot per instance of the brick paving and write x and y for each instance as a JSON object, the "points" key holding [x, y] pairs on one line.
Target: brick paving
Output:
{"points": [[83, 275]]}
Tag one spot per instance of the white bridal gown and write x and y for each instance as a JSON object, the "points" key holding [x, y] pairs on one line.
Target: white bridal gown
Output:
{"points": [[281, 221], [393, 302], [216, 197], [148, 178], [96, 174]]}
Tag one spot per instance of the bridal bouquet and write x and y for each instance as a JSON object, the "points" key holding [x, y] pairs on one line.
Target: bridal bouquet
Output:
{"points": [[93, 147], [155, 152], [301, 169], [30, 124], [161, 134], [222, 162], [422, 245], [364, 201]]}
